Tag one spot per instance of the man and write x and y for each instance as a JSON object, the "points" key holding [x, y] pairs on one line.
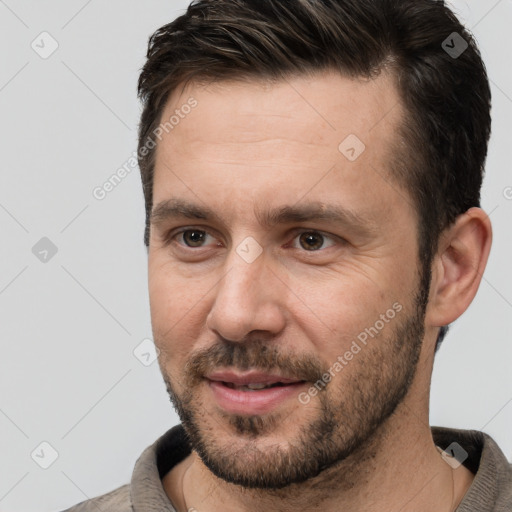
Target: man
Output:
{"points": [[312, 172]]}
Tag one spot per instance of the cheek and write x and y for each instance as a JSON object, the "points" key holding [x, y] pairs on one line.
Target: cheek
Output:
{"points": [[333, 311], [178, 307]]}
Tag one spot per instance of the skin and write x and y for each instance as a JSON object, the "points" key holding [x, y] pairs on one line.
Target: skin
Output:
{"points": [[251, 147]]}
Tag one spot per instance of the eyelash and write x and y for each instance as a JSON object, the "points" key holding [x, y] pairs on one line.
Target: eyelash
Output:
{"points": [[173, 236]]}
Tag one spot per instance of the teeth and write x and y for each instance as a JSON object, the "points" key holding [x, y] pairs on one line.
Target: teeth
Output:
{"points": [[249, 387], [257, 386], [253, 386]]}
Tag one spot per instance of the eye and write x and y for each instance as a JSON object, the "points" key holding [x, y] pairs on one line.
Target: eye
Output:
{"points": [[193, 237], [313, 241]]}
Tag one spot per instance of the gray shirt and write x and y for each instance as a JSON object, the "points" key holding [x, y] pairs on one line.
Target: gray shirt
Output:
{"points": [[491, 489]]}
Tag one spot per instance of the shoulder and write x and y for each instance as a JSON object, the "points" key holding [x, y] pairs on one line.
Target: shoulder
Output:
{"points": [[492, 486], [145, 491], [118, 500]]}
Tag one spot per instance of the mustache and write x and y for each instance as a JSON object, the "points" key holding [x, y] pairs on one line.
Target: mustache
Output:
{"points": [[254, 355]]}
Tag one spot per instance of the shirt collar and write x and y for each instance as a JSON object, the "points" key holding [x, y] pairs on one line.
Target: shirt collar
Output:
{"points": [[485, 459]]}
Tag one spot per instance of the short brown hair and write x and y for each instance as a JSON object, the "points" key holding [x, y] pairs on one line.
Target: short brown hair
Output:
{"points": [[439, 72]]}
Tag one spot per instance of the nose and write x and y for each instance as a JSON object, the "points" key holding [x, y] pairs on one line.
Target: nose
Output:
{"points": [[249, 298]]}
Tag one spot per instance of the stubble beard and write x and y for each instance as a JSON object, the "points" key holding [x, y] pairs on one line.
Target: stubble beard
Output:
{"points": [[346, 418]]}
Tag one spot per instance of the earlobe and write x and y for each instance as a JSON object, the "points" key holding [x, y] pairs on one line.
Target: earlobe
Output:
{"points": [[458, 266]]}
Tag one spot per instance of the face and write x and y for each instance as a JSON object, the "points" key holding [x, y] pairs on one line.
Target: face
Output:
{"points": [[283, 273]]}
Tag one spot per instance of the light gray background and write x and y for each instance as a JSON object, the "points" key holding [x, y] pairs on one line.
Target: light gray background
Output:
{"points": [[68, 327]]}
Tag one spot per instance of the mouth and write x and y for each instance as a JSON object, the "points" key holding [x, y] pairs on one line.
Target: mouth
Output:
{"points": [[252, 380], [256, 386], [252, 392]]}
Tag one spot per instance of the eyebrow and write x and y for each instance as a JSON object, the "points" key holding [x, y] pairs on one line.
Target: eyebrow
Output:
{"points": [[178, 208], [309, 212]]}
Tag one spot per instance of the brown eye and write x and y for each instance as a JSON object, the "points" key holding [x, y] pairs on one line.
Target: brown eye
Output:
{"points": [[194, 237], [311, 241]]}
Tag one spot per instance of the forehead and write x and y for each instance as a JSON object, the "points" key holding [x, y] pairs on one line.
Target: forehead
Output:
{"points": [[271, 142], [311, 107]]}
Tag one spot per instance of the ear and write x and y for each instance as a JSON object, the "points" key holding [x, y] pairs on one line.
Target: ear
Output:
{"points": [[458, 266]]}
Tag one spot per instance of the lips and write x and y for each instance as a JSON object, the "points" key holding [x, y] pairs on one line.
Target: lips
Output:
{"points": [[253, 386], [251, 392], [254, 380]]}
